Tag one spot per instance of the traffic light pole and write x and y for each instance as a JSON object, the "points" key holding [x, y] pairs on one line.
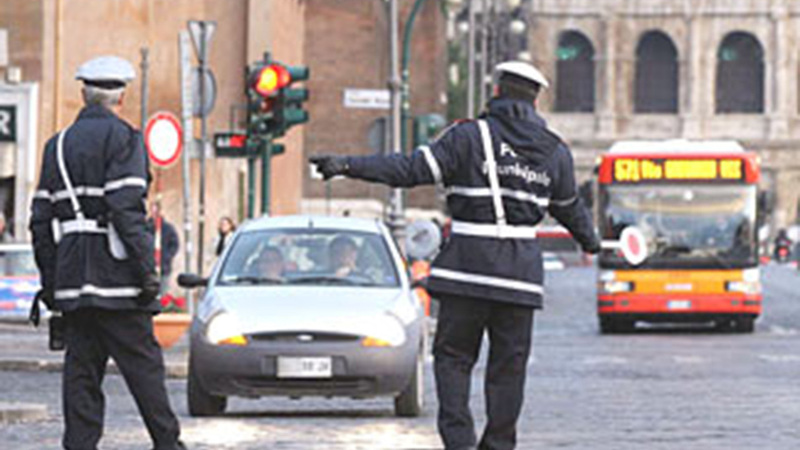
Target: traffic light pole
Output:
{"points": [[251, 186], [266, 157], [406, 100]]}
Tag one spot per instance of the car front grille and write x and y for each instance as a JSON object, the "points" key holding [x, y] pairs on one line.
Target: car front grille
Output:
{"points": [[294, 386], [303, 336]]}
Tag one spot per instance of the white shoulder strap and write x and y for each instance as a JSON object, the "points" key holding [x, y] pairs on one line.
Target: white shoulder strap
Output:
{"points": [[62, 168], [491, 167]]}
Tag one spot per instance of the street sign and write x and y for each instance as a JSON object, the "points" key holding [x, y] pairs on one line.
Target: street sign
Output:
{"points": [[367, 98], [209, 92], [8, 123], [163, 139], [201, 32]]}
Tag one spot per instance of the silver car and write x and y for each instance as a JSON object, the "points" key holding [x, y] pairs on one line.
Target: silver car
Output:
{"points": [[307, 306]]}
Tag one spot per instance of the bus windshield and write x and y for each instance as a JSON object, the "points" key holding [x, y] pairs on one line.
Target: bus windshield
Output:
{"points": [[687, 225]]}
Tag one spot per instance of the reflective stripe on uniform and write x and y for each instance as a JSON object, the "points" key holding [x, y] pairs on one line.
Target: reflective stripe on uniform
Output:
{"points": [[493, 230], [566, 202], [125, 182], [475, 278], [92, 191], [505, 192], [432, 164], [81, 226], [491, 166], [89, 289]]}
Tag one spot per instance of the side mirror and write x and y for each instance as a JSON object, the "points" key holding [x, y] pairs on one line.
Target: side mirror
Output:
{"points": [[191, 281]]}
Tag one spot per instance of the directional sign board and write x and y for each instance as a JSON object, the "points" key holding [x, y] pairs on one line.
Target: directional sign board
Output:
{"points": [[163, 138], [201, 32]]}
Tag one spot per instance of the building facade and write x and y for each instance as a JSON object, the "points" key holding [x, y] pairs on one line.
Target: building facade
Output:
{"points": [[666, 69]]}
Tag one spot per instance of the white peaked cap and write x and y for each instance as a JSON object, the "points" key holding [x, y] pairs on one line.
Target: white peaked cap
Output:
{"points": [[106, 68], [523, 70]]}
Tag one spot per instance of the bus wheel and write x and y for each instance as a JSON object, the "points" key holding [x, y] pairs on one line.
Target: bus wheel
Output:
{"points": [[609, 325], [744, 324]]}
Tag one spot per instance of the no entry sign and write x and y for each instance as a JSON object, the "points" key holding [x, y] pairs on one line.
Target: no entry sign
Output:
{"points": [[162, 136]]}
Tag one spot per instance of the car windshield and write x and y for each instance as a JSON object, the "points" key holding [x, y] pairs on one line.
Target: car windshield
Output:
{"points": [[17, 262], [309, 257], [700, 226]]}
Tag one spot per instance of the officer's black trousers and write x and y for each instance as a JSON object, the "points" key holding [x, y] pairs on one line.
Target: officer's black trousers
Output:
{"points": [[94, 335], [459, 333]]}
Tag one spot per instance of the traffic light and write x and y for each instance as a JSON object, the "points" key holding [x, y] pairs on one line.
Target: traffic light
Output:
{"points": [[274, 105]]}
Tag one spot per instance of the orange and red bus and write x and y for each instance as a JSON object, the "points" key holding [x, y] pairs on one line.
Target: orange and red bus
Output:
{"points": [[695, 203]]}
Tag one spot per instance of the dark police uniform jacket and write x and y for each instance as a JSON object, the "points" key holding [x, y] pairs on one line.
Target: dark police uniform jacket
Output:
{"points": [[492, 253], [107, 165]]}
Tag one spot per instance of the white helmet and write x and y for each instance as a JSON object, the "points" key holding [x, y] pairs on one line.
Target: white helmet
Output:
{"points": [[523, 70], [106, 68]]}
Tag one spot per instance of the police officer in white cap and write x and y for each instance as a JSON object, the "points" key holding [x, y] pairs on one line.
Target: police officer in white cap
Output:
{"points": [[96, 260], [502, 174]]}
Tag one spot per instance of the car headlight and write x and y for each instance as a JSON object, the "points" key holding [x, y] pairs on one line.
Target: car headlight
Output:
{"points": [[387, 333], [223, 329], [615, 286]]}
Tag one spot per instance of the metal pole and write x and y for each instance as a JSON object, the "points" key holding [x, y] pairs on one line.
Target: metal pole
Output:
{"points": [[266, 157], [471, 61], [406, 100], [396, 214], [484, 50], [188, 143], [145, 88], [251, 186], [201, 208]]}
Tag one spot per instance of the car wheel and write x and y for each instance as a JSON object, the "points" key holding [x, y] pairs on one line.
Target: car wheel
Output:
{"points": [[202, 403], [409, 403]]}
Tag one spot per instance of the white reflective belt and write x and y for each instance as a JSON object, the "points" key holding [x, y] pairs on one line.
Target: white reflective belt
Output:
{"points": [[475, 278], [566, 202], [487, 192], [491, 169], [88, 289], [493, 230], [432, 164], [42, 194], [81, 226], [125, 182]]}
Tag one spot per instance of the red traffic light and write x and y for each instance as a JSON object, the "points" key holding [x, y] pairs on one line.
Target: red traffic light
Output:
{"points": [[270, 79]]}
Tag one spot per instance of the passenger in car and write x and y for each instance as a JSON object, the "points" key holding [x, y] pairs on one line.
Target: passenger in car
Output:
{"points": [[270, 263], [343, 252]]}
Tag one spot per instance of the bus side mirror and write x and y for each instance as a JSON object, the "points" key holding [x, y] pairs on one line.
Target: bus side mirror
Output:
{"points": [[191, 281]]}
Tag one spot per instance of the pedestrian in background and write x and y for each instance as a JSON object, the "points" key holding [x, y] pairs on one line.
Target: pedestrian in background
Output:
{"points": [[225, 230], [95, 258], [502, 173], [169, 244]]}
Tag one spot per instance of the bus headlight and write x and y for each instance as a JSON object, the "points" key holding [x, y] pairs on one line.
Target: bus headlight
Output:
{"points": [[745, 287], [615, 287]]}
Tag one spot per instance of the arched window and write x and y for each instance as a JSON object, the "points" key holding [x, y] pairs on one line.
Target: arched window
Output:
{"points": [[740, 74], [574, 73], [656, 88]]}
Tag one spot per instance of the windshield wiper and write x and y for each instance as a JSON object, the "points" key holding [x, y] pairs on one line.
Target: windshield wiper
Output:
{"points": [[322, 279], [252, 279], [674, 248]]}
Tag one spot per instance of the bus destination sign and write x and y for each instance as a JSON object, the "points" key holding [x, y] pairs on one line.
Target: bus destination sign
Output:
{"points": [[634, 170]]}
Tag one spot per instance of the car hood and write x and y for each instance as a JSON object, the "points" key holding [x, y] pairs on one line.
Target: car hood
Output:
{"points": [[303, 308]]}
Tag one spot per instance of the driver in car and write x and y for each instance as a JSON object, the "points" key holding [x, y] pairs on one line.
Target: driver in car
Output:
{"points": [[270, 263], [343, 252]]}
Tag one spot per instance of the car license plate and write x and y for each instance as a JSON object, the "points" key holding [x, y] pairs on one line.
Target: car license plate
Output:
{"points": [[304, 367], [679, 304]]}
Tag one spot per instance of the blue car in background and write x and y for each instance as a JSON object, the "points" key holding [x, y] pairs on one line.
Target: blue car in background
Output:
{"points": [[19, 281]]}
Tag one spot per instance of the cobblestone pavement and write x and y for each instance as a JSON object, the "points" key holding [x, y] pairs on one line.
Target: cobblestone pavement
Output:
{"points": [[677, 389]]}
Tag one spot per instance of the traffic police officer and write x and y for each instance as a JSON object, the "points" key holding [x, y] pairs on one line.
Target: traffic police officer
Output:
{"points": [[501, 174], [96, 260]]}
